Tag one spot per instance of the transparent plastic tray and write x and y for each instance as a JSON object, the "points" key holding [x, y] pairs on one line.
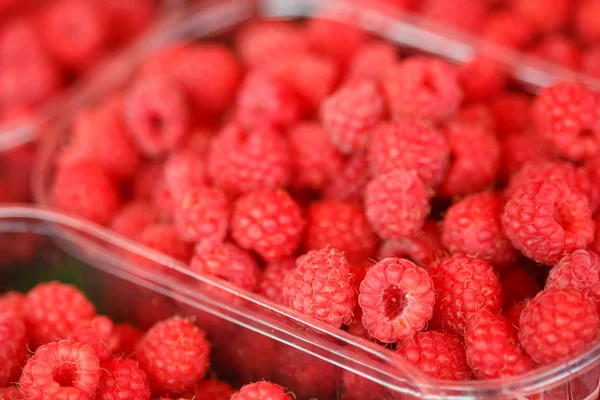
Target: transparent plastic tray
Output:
{"points": [[261, 340]]}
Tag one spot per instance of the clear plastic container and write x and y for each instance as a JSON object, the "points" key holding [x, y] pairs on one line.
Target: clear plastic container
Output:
{"points": [[254, 338]]}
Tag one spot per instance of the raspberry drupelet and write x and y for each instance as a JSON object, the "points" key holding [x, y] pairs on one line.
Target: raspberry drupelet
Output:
{"points": [[261, 390], [122, 379], [396, 298]]}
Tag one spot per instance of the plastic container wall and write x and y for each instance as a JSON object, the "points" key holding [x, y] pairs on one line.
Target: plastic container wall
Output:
{"points": [[329, 363]]}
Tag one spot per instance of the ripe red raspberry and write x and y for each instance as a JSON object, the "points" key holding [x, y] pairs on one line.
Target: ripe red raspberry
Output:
{"points": [[74, 32], [174, 354], [410, 145], [508, 29], [493, 349], [61, 370], [183, 170], [133, 218], [335, 39], [511, 112], [476, 114], [126, 337], [226, 261], [85, 190], [242, 161], [199, 139], [100, 136], [10, 393], [98, 333], [475, 155], [164, 238], [591, 61], [558, 324], [52, 310], [12, 302], [13, 347], [396, 298], [474, 226], [350, 115], [202, 214], [481, 79], [261, 390], [272, 279], [463, 286], [372, 59], [579, 270], [517, 284], [595, 244], [321, 287], [468, 15], [341, 225], [440, 355], [268, 222], [356, 327], [513, 313], [259, 42], [543, 16], [567, 116], [397, 204], [212, 389], [156, 115], [423, 88], [422, 248], [546, 220], [122, 379], [559, 50], [132, 17], [521, 148], [144, 183], [264, 100], [314, 159], [350, 181]]}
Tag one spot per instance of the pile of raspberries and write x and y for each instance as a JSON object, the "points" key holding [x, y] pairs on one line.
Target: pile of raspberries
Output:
{"points": [[53, 346], [431, 208]]}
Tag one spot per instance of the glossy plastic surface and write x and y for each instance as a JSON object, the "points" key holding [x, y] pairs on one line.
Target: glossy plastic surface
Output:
{"points": [[256, 338]]}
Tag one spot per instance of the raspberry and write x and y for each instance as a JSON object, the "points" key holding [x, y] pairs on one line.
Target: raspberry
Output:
{"points": [[517, 284], [559, 50], [163, 201], [474, 226], [396, 298], [13, 347], [466, 15], [475, 155], [269, 222], [226, 261], [421, 249], [183, 170], [481, 79], [132, 17], [463, 286], [85, 190], [341, 225], [314, 159], [350, 181], [156, 115], [52, 310], [493, 349], [74, 32], [261, 390], [521, 148], [423, 88], [122, 379], [558, 324], [567, 116], [397, 204], [410, 145], [440, 355], [310, 377], [476, 114], [355, 325], [144, 184], [19, 43], [133, 218], [174, 354], [579, 270], [511, 112], [259, 42], [321, 287], [546, 220], [544, 16], [10, 393], [586, 21], [61, 370], [507, 29], [372, 59], [584, 181], [100, 136], [242, 161], [272, 279], [335, 39], [98, 334], [126, 337], [209, 73], [350, 115], [212, 389], [595, 245], [12, 302], [262, 99], [513, 313], [198, 141], [164, 238], [202, 214], [591, 61]]}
